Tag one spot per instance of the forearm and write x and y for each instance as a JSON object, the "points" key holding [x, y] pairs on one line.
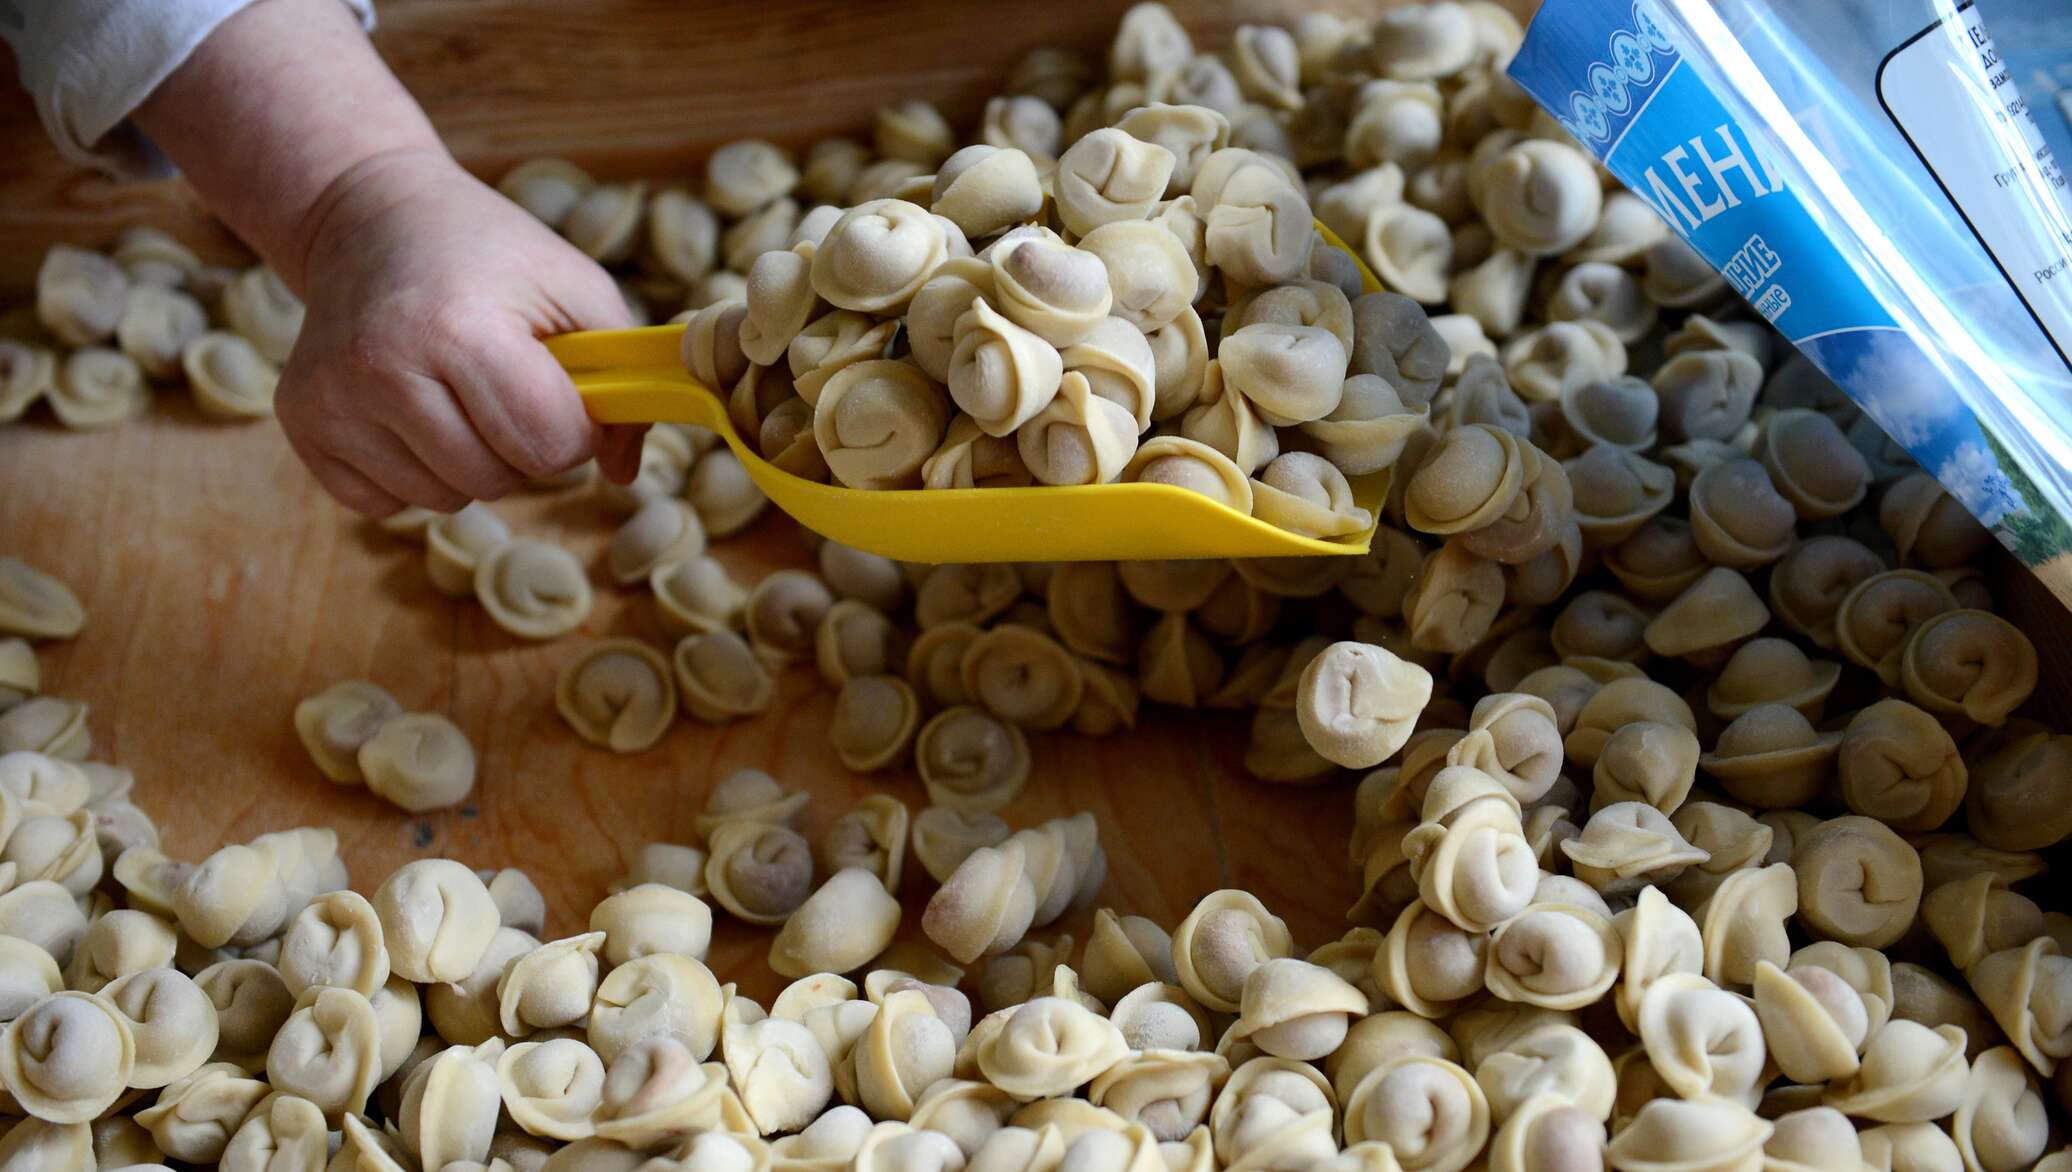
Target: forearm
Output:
{"points": [[279, 110]]}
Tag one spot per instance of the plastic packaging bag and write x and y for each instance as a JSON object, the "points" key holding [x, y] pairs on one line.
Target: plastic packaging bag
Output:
{"points": [[2036, 36], [1866, 175]]}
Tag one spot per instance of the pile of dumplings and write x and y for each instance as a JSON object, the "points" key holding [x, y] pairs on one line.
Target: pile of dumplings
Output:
{"points": [[1695, 801], [1017, 316], [1696, 826], [1049, 355], [109, 329], [252, 1012]]}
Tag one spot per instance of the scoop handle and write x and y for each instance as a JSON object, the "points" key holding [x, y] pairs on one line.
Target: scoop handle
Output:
{"points": [[646, 348], [637, 376], [623, 397]]}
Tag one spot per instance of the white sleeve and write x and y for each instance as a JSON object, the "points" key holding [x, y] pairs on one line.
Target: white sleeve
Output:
{"points": [[89, 63]]}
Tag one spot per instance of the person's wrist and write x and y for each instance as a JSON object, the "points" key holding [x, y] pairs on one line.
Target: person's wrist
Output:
{"points": [[276, 111], [361, 193]]}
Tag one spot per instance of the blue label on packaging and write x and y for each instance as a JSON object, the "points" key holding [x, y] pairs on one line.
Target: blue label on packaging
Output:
{"points": [[1662, 132], [1614, 77]]}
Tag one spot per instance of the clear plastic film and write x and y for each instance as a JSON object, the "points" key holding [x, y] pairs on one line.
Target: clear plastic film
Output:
{"points": [[1866, 174], [2036, 38]]}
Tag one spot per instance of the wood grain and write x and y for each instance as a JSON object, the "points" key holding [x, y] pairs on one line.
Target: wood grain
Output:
{"points": [[222, 587], [628, 88]]}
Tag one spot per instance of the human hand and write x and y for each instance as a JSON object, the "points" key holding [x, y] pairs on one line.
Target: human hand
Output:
{"points": [[419, 378]]}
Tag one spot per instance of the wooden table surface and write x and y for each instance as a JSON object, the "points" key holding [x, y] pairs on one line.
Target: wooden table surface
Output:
{"points": [[627, 88], [222, 587]]}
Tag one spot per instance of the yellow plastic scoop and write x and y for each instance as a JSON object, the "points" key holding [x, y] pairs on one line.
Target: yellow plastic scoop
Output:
{"points": [[637, 376]]}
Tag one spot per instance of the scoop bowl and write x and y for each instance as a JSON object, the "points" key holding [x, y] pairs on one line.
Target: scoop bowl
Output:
{"points": [[637, 376]]}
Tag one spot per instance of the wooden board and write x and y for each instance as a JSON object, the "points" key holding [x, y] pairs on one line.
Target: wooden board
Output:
{"points": [[629, 88], [222, 587]]}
